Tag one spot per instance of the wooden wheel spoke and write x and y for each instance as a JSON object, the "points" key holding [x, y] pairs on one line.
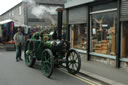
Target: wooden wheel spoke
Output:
{"points": [[47, 60], [48, 66], [69, 64], [73, 54], [69, 58], [76, 66], [76, 58], [72, 66]]}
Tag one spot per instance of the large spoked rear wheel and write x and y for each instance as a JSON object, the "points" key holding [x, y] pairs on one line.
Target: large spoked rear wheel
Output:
{"points": [[73, 62], [47, 63], [28, 53]]}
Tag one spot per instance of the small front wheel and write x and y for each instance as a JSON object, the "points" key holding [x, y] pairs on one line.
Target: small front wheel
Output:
{"points": [[47, 63], [73, 62], [28, 54]]}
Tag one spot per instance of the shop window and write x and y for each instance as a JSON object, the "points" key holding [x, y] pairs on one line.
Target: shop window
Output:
{"points": [[103, 33], [79, 36]]}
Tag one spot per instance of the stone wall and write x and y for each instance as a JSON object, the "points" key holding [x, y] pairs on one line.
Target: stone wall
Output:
{"points": [[111, 62]]}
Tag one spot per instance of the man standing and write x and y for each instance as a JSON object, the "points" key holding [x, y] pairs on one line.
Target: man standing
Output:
{"points": [[18, 39]]}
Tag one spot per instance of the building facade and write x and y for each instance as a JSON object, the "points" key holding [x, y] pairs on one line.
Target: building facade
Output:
{"points": [[16, 14], [97, 28]]}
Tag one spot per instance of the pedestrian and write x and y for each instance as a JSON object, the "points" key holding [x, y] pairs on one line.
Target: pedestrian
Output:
{"points": [[18, 39]]}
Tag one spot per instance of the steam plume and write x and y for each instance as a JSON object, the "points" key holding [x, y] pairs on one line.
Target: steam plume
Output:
{"points": [[40, 11]]}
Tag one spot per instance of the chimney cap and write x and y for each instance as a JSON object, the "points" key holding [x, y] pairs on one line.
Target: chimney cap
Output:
{"points": [[60, 9]]}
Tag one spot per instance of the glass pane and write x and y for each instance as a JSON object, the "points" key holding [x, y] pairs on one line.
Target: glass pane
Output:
{"points": [[103, 33], [79, 36]]}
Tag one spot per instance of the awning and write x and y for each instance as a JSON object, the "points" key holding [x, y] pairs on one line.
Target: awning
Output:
{"points": [[78, 15], [16, 23], [6, 21]]}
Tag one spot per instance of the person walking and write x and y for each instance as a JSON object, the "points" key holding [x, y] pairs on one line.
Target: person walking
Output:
{"points": [[18, 39]]}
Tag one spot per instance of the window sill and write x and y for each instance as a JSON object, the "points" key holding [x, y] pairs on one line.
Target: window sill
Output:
{"points": [[80, 50], [124, 59], [103, 55]]}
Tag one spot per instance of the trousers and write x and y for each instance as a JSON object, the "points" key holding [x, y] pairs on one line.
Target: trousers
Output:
{"points": [[18, 51]]}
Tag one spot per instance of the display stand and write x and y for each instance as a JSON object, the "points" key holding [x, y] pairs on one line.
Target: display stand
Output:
{"points": [[113, 44], [98, 46], [100, 30], [102, 47]]}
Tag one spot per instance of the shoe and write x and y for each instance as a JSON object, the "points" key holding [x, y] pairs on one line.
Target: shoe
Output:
{"points": [[21, 59]]}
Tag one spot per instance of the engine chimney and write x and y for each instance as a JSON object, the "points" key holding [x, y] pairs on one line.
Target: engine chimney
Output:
{"points": [[59, 22]]}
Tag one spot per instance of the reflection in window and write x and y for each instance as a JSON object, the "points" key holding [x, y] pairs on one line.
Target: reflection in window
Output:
{"points": [[79, 36]]}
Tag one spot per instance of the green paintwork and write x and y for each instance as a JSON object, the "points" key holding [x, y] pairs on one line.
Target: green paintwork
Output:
{"points": [[35, 35], [45, 65], [28, 54], [37, 49]]}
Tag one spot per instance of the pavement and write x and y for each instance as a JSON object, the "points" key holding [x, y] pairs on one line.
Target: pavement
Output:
{"points": [[105, 73]]}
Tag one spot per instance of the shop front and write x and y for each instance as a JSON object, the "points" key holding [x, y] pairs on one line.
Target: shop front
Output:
{"points": [[99, 29], [78, 17], [103, 24], [7, 30]]}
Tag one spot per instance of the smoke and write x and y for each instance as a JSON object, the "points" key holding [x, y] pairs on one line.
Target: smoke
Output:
{"points": [[40, 11]]}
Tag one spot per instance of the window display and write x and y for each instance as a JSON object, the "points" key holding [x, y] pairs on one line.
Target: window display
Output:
{"points": [[103, 35], [79, 36]]}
